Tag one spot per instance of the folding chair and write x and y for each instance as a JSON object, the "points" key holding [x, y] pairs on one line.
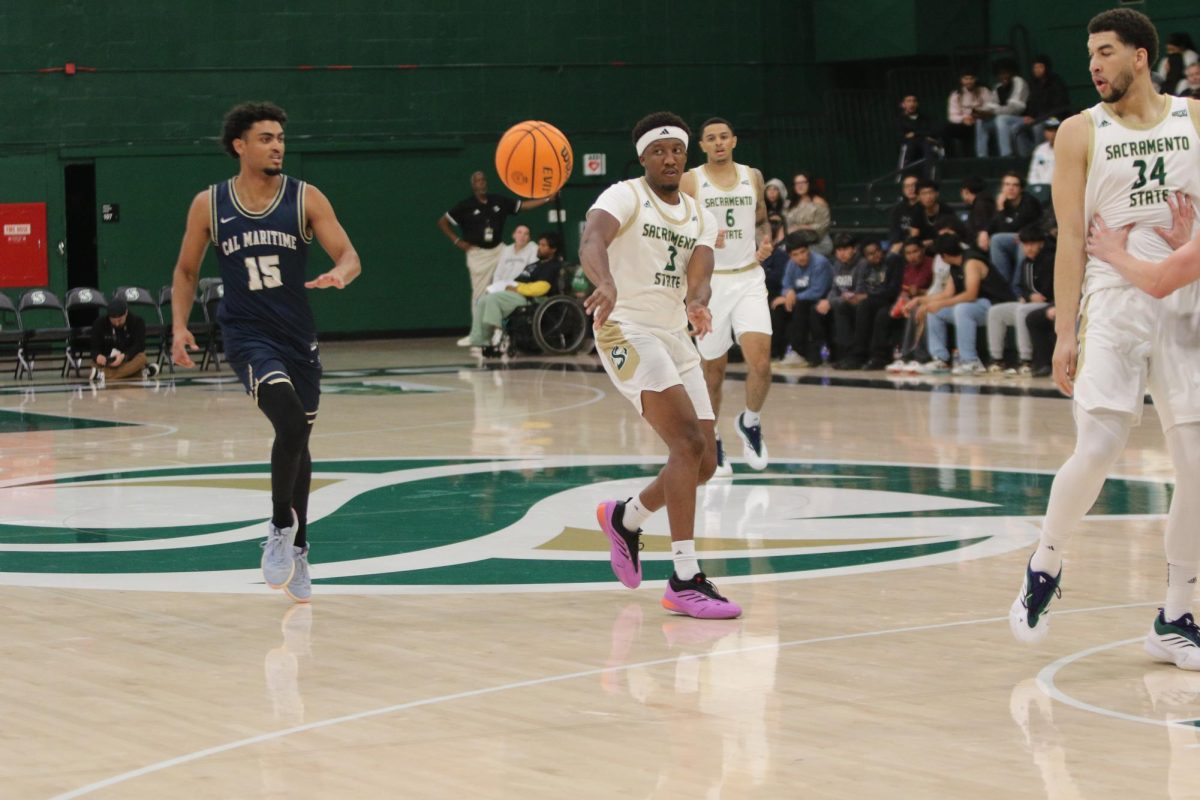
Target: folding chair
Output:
{"points": [[46, 328], [165, 312], [156, 330], [83, 307], [210, 300], [12, 335]]}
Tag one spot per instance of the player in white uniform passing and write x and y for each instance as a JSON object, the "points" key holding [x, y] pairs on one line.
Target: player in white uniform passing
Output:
{"points": [[648, 249], [1125, 160], [734, 194]]}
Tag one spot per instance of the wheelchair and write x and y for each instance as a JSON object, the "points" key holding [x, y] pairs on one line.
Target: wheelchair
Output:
{"points": [[555, 325]]}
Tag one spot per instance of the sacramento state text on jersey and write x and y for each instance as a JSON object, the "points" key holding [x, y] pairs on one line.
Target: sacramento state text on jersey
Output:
{"points": [[726, 201], [1147, 172], [255, 238], [678, 242]]}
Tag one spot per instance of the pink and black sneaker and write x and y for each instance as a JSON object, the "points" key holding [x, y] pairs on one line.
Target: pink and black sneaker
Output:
{"points": [[698, 598], [624, 546]]}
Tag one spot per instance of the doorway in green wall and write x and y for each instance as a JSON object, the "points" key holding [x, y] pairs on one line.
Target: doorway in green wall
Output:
{"points": [[83, 268]]}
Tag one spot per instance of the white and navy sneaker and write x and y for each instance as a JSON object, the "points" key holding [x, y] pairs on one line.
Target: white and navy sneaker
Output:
{"points": [[278, 559], [1027, 617], [753, 446], [1177, 641], [724, 468], [299, 588]]}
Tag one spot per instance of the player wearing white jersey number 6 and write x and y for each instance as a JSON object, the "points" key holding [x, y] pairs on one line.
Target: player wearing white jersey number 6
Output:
{"points": [[648, 249], [1131, 161], [734, 194]]}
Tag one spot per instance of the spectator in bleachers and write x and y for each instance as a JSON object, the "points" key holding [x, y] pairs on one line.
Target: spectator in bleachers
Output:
{"points": [[1043, 338], [806, 280], [1035, 291], [902, 217], [961, 113], [981, 209], [775, 197], [119, 345], [832, 325], [1004, 112], [973, 288], [875, 296], [1181, 53], [1018, 209], [1041, 165], [515, 257], [1048, 98], [1190, 85], [931, 214], [808, 212], [914, 131], [907, 314]]}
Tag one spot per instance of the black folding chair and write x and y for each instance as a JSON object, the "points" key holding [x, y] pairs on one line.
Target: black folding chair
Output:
{"points": [[148, 310], [214, 347], [12, 335], [84, 306], [46, 330]]}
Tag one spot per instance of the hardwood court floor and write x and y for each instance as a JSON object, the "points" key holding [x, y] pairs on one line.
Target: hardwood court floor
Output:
{"points": [[467, 638]]}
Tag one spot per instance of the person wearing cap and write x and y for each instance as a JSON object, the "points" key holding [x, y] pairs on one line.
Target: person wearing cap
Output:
{"points": [[119, 345], [1041, 165]]}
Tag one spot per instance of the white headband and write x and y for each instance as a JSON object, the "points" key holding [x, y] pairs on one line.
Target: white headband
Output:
{"points": [[665, 132]]}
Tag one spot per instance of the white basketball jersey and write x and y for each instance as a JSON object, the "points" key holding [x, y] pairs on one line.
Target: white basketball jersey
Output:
{"points": [[1130, 176], [734, 208], [649, 256]]}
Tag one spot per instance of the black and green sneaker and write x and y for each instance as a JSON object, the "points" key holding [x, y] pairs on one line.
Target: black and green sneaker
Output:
{"points": [[1027, 617], [1177, 641]]}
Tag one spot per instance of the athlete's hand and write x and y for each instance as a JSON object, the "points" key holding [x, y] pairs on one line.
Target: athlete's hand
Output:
{"points": [[325, 281], [600, 303], [1106, 243], [720, 243], [1066, 352], [1183, 218], [700, 317], [764, 249], [181, 342]]}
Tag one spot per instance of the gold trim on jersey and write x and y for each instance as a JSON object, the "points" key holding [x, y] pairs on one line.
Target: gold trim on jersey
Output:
{"points": [[737, 178], [302, 214], [212, 211], [241, 209], [662, 209], [613, 345], [1166, 112], [737, 271]]}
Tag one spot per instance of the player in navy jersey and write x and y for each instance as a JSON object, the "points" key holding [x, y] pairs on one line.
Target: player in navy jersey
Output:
{"points": [[261, 222]]}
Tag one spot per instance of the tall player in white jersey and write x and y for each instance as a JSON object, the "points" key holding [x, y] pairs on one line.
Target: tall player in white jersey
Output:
{"points": [[1123, 160], [648, 249], [734, 194]]}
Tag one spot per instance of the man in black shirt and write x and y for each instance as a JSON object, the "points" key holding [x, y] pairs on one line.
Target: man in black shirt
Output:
{"points": [[902, 218], [539, 279], [1048, 97], [914, 130], [1017, 211], [480, 219], [119, 345]]}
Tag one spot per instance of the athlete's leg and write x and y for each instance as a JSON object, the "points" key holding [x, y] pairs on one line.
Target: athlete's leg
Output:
{"points": [[300, 492], [1183, 521], [691, 446], [281, 405], [756, 347]]}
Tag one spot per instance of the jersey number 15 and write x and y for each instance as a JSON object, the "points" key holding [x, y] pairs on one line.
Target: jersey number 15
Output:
{"points": [[264, 272]]}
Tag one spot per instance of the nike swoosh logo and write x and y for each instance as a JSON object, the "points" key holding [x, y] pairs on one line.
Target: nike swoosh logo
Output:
{"points": [[227, 219]]}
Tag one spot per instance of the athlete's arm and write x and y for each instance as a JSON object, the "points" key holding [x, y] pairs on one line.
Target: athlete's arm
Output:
{"points": [[687, 185], [1067, 189], [598, 233], [699, 278], [333, 239], [762, 228], [196, 237], [1155, 279]]}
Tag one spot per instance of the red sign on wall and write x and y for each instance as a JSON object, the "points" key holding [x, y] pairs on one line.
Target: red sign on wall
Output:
{"points": [[23, 260]]}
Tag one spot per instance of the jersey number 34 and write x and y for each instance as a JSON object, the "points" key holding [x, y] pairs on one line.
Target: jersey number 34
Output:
{"points": [[264, 272]]}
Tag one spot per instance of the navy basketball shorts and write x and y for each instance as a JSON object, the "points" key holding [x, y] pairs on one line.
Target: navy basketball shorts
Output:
{"points": [[259, 362]]}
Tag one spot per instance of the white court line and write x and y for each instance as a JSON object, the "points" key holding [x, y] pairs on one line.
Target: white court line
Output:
{"points": [[446, 698]]}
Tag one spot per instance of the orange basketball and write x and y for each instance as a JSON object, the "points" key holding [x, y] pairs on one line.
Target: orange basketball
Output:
{"points": [[534, 159]]}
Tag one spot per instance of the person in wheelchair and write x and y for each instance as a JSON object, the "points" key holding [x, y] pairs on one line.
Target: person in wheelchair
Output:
{"points": [[539, 279]]}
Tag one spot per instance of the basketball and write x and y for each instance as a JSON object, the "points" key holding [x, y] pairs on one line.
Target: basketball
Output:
{"points": [[534, 159]]}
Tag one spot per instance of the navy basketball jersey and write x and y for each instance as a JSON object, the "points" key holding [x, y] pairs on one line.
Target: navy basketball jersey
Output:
{"points": [[263, 258]]}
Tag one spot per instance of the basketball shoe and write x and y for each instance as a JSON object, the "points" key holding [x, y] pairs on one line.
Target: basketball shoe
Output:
{"points": [[753, 446], [698, 598], [724, 468], [624, 545], [1177, 641], [299, 588], [1027, 617], [278, 563]]}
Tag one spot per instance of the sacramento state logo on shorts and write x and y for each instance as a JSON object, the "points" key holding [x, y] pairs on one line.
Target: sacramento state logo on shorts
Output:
{"points": [[471, 525]]}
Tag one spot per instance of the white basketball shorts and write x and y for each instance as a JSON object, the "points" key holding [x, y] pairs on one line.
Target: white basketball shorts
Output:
{"points": [[738, 305], [641, 359]]}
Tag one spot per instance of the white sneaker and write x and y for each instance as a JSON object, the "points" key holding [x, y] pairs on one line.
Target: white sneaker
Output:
{"points": [[464, 342], [497, 337], [278, 560], [792, 359], [935, 367], [975, 367], [724, 468], [754, 449], [896, 367], [1177, 641]]}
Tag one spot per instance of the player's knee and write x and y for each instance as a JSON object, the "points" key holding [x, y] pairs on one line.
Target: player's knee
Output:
{"points": [[281, 405], [690, 445], [708, 464]]}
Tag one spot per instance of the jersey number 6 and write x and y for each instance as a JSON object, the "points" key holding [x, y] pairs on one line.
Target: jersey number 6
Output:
{"points": [[264, 272]]}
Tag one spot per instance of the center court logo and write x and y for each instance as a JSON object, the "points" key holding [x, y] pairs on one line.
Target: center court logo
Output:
{"points": [[472, 525]]}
